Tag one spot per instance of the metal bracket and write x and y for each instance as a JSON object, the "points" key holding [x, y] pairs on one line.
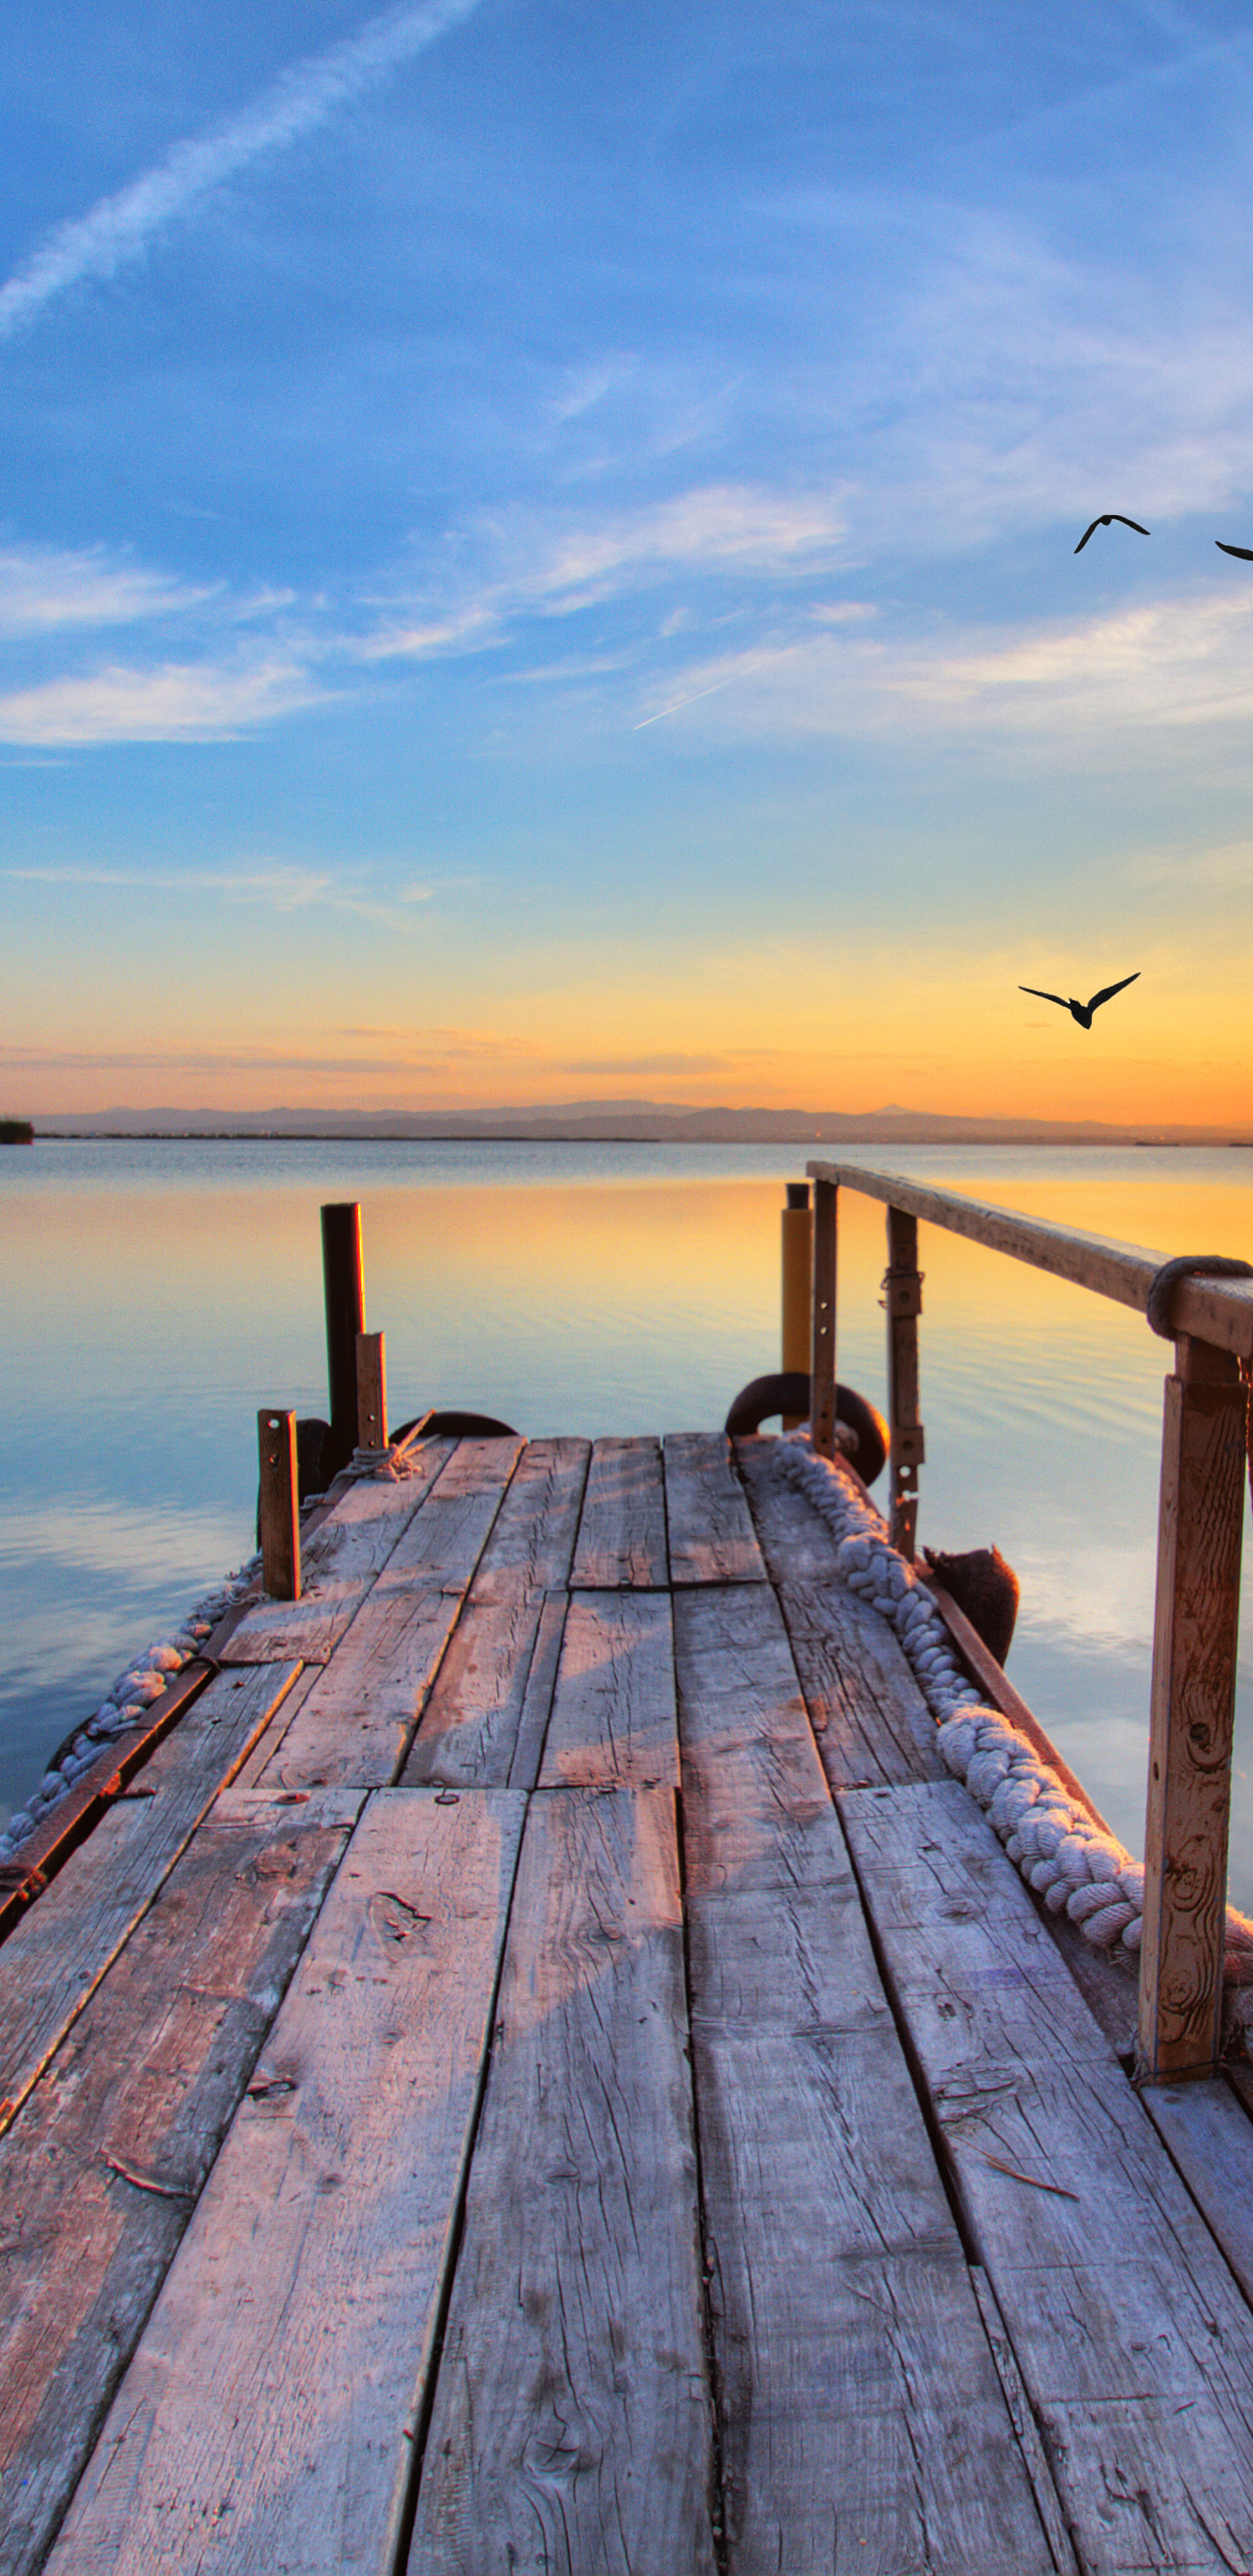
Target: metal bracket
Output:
{"points": [[903, 1294]]}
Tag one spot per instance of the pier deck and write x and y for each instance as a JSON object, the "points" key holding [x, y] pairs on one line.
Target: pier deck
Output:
{"points": [[541, 2070]]}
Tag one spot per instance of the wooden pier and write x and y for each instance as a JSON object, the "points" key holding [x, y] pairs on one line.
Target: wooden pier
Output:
{"points": [[540, 2070]]}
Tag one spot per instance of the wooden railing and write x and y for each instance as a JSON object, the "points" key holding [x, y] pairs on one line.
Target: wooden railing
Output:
{"points": [[1200, 1526]]}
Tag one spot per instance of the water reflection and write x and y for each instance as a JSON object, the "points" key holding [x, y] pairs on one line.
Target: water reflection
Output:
{"points": [[157, 1295]]}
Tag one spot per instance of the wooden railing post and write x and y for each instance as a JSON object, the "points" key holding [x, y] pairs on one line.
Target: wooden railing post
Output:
{"points": [[371, 1392], [797, 1249], [279, 1507], [822, 1359], [1200, 1522], [345, 1318], [903, 1299]]}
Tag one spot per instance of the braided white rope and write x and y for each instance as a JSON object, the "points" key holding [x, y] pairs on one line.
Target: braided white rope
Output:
{"points": [[1061, 1853]]}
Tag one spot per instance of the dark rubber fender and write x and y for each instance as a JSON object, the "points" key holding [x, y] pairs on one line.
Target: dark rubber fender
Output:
{"points": [[788, 1392], [459, 1426]]}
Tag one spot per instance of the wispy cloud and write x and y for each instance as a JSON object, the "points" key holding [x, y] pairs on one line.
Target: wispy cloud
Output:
{"points": [[274, 884], [119, 228], [174, 702], [43, 589]]}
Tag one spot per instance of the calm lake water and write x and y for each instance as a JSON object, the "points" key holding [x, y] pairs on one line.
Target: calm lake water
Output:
{"points": [[155, 1295]]}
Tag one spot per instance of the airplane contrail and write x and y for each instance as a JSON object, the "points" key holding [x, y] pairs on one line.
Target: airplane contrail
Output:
{"points": [[120, 227]]}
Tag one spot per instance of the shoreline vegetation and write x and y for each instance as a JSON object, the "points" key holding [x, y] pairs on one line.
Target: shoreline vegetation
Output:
{"points": [[631, 1122], [16, 1131]]}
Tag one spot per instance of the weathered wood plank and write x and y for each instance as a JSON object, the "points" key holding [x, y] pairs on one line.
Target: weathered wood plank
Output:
{"points": [[749, 1763], [866, 1709], [843, 2316], [144, 2085], [613, 1722], [355, 1725], [622, 1531], [532, 1537], [339, 1564], [795, 1541], [1130, 2333], [571, 2425], [541, 1682], [708, 1522], [469, 1730], [1209, 2134], [266, 2419], [442, 1544], [56, 1956]]}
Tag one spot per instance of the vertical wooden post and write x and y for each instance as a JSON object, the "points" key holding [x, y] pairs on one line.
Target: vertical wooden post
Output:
{"points": [[822, 1357], [797, 1266], [280, 1508], [345, 1318], [1200, 1521], [371, 1392], [903, 1299]]}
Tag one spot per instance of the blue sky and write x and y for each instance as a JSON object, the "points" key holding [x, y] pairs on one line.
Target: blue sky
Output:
{"points": [[536, 557]]}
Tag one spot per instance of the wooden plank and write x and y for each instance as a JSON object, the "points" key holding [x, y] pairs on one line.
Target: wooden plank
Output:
{"points": [[541, 1682], [56, 1956], [571, 2425], [1215, 1311], [355, 1726], [866, 1709], [341, 1561], [862, 2421], [469, 1729], [709, 1526], [1130, 2333], [613, 1723], [444, 1541], [532, 1537], [267, 2417], [748, 1756], [622, 1532], [1209, 2134], [45, 1851], [145, 2086], [1191, 1713], [795, 1541]]}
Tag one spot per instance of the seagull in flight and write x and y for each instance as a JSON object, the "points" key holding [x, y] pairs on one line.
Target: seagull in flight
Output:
{"points": [[1082, 1011], [1106, 520], [1245, 552]]}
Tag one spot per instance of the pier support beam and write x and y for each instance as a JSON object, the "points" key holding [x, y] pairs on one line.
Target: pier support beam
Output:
{"points": [[279, 1505], [1200, 1522], [902, 1288], [822, 1359], [345, 1318], [797, 1229], [371, 1391]]}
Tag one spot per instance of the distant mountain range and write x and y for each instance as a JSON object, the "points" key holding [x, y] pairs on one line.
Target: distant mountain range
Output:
{"points": [[643, 1122]]}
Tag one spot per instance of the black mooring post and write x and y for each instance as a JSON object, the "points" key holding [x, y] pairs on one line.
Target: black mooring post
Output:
{"points": [[345, 1318]]}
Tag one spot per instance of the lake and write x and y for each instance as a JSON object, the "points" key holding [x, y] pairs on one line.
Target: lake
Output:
{"points": [[156, 1294]]}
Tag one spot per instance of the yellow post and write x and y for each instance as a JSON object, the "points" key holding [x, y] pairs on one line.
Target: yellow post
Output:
{"points": [[797, 1285]]}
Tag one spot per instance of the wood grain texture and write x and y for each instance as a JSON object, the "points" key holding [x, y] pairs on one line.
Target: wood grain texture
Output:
{"points": [[1191, 1714], [1218, 1311], [355, 1725], [442, 1544], [796, 1543], [709, 1525], [1129, 2331], [469, 1729], [1209, 2134], [58, 1953], [750, 1768], [571, 2426], [541, 1683], [263, 2418], [844, 2322], [147, 2080], [613, 1722], [340, 1562], [532, 1537], [866, 1709], [622, 1530]]}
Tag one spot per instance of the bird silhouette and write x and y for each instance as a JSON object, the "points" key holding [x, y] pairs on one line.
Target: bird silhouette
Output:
{"points": [[1082, 1011], [1106, 520], [1245, 552]]}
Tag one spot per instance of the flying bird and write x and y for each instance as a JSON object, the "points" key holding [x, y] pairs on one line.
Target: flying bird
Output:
{"points": [[1106, 520], [1082, 1011], [1245, 552]]}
